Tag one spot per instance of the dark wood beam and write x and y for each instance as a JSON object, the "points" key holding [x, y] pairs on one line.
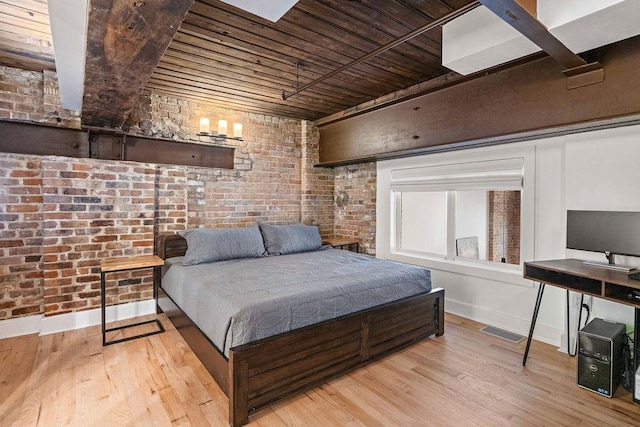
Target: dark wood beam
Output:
{"points": [[42, 140], [525, 102], [517, 14], [126, 39], [96, 143]]}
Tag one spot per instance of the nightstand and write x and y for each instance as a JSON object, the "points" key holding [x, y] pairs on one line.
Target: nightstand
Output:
{"points": [[341, 243], [125, 264]]}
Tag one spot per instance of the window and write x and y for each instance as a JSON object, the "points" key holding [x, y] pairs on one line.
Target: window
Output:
{"points": [[423, 222], [459, 212]]}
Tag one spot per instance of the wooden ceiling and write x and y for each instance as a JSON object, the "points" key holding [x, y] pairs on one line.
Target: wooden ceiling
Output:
{"points": [[225, 56], [25, 35]]}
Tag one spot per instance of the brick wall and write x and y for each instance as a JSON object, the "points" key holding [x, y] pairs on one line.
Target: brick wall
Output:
{"points": [[60, 216], [504, 226], [317, 184], [265, 184], [358, 217], [33, 96], [21, 251], [94, 209]]}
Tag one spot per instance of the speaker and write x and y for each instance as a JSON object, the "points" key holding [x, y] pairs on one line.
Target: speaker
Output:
{"points": [[600, 358]]}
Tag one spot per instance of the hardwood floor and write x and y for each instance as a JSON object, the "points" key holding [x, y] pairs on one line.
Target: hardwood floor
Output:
{"points": [[462, 378]]}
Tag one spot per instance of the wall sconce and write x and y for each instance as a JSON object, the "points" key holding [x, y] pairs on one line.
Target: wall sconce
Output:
{"points": [[221, 134]]}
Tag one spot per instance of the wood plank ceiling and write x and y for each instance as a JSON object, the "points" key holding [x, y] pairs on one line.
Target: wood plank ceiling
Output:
{"points": [[225, 56], [25, 35]]}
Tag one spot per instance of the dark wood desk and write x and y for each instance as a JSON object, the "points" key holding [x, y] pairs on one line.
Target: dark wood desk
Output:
{"points": [[574, 275]]}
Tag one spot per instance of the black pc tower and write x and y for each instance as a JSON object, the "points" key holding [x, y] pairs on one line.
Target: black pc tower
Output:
{"points": [[600, 356]]}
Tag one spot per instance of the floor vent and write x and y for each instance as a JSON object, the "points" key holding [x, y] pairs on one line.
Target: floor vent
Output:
{"points": [[501, 333]]}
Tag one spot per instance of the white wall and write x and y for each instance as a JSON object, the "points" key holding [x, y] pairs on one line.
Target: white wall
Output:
{"points": [[419, 209], [595, 170], [472, 211]]}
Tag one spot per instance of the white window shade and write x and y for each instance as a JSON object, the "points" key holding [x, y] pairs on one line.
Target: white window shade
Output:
{"points": [[503, 174]]}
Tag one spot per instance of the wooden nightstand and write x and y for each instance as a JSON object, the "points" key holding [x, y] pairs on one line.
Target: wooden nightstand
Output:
{"points": [[341, 243], [124, 264]]}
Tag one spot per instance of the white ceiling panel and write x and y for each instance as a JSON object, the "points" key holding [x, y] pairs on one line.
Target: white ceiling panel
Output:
{"points": [[582, 25], [268, 9]]}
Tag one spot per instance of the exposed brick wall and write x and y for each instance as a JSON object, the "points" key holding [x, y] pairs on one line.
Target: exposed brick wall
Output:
{"points": [[170, 198], [317, 184], [94, 209], [504, 226], [358, 218], [33, 96], [21, 275], [265, 184]]}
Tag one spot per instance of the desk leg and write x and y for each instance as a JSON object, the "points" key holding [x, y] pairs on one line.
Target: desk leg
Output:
{"points": [[103, 307], [533, 322]]}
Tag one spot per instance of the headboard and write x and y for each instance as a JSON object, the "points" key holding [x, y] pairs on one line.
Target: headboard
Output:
{"points": [[170, 245]]}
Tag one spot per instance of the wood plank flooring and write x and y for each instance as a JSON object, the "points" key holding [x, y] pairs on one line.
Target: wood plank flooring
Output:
{"points": [[462, 378]]}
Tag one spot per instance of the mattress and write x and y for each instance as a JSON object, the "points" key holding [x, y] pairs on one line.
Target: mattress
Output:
{"points": [[238, 301]]}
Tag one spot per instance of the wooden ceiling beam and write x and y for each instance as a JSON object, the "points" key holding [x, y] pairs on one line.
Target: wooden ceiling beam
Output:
{"points": [[126, 39]]}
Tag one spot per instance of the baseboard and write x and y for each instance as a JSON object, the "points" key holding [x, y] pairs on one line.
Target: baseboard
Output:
{"points": [[508, 322], [42, 325], [18, 326]]}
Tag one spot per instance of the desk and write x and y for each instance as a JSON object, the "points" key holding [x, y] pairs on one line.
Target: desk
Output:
{"points": [[574, 275], [124, 264]]}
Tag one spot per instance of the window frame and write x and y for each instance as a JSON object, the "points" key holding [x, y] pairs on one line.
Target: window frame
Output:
{"points": [[388, 213]]}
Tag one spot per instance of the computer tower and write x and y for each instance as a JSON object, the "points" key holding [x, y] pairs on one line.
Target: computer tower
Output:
{"points": [[636, 352], [600, 356], [636, 390]]}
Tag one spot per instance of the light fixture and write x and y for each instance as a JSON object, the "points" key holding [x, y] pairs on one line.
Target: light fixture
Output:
{"points": [[204, 126], [221, 134]]}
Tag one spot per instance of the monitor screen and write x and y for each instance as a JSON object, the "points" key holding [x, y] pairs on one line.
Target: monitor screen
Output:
{"points": [[604, 231]]}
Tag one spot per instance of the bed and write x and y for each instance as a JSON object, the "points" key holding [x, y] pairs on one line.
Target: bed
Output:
{"points": [[257, 359]]}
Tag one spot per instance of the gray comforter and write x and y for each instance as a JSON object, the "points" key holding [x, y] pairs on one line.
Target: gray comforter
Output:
{"points": [[242, 300]]}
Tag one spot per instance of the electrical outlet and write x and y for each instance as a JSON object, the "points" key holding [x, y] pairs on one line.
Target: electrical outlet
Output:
{"points": [[575, 301]]}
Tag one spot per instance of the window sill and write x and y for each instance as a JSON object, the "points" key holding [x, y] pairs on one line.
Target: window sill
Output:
{"points": [[506, 273]]}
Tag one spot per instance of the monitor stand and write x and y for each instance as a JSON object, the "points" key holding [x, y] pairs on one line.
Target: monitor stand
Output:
{"points": [[618, 267]]}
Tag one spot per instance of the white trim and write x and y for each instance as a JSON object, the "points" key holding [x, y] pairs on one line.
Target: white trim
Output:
{"points": [[70, 321], [545, 333], [483, 159], [20, 326], [506, 273], [502, 174]]}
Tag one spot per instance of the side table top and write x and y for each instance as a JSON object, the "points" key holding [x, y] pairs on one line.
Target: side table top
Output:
{"points": [[337, 241], [129, 263]]}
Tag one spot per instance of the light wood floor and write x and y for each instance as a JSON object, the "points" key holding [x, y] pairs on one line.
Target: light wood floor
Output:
{"points": [[462, 378]]}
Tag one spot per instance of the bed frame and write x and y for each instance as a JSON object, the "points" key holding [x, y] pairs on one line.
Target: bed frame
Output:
{"points": [[261, 372]]}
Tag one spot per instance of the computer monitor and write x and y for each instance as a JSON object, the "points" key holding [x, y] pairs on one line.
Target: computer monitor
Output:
{"points": [[610, 232]]}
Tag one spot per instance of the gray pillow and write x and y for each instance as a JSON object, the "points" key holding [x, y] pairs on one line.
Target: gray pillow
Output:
{"points": [[218, 244], [289, 239]]}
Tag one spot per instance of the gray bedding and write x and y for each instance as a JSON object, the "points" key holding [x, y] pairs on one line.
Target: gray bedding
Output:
{"points": [[238, 301]]}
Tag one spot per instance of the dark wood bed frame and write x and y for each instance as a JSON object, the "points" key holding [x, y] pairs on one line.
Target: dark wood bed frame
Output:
{"points": [[261, 372]]}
